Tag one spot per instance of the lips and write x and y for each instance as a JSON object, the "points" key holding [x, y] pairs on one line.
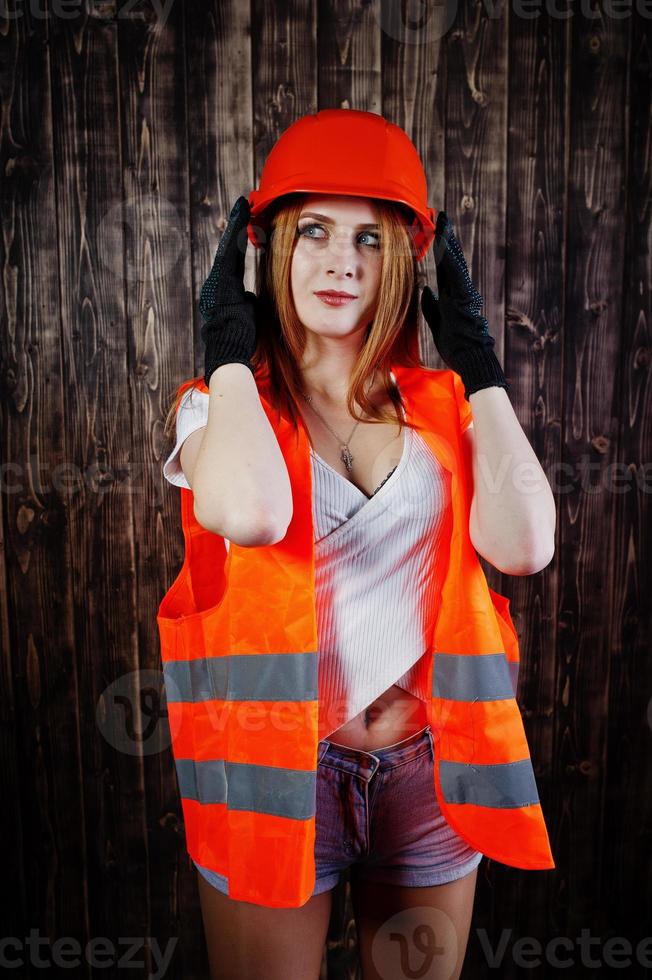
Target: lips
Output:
{"points": [[335, 298]]}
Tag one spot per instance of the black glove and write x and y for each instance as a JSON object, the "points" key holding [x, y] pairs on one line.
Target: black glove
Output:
{"points": [[460, 333], [229, 332]]}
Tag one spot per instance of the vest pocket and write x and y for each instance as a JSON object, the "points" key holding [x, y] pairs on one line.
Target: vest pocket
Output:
{"points": [[201, 583]]}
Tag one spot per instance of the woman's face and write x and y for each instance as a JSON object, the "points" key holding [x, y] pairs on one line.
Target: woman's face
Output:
{"points": [[338, 249]]}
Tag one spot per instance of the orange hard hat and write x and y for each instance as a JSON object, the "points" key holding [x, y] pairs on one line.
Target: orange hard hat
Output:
{"points": [[345, 152]]}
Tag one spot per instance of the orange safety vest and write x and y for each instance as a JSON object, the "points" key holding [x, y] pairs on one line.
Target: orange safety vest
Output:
{"points": [[239, 649]]}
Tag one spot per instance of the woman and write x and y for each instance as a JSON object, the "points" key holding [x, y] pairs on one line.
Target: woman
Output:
{"points": [[381, 506]]}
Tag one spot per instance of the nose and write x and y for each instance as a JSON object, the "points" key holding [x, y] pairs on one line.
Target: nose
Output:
{"points": [[343, 255]]}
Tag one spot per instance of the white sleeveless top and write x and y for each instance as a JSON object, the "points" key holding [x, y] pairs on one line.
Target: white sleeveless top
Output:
{"points": [[375, 585]]}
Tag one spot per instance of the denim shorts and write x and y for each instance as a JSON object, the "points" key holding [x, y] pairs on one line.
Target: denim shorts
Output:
{"points": [[377, 814]]}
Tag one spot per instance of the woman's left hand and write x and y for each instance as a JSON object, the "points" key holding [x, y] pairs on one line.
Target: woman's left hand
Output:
{"points": [[460, 333]]}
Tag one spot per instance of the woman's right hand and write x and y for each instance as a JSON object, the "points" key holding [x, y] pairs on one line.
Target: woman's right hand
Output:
{"points": [[229, 312]]}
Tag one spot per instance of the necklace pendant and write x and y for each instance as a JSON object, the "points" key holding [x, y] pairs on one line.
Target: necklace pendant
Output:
{"points": [[346, 457]]}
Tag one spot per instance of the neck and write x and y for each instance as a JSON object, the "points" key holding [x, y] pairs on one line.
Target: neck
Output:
{"points": [[333, 395], [326, 366]]}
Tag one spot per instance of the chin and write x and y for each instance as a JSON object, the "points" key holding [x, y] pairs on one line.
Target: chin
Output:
{"points": [[336, 326], [333, 329]]}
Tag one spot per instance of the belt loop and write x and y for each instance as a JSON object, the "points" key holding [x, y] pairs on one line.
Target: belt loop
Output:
{"points": [[432, 741]]}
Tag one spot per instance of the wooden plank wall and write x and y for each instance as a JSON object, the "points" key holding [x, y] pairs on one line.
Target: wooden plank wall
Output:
{"points": [[128, 131]]}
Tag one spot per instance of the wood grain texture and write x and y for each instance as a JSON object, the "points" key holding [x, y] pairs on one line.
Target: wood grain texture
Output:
{"points": [[153, 138], [592, 347], [129, 132], [624, 865], [97, 425], [44, 824]]}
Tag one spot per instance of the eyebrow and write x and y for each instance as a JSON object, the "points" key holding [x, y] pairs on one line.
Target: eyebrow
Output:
{"points": [[323, 217]]}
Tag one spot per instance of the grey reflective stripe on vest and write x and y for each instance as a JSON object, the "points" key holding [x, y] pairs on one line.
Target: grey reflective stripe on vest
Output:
{"points": [[246, 677], [513, 673], [506, 784], [202, 781], [262, 789], [471, 677]]}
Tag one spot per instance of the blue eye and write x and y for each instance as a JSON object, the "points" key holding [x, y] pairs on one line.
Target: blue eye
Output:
{"points": [[373, 235], [306, 228]]}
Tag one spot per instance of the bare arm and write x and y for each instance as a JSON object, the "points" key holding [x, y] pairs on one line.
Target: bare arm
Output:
{"points": [[513, 517], [234, 464]]}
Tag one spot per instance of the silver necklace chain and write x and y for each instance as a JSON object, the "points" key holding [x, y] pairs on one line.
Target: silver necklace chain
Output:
{"points": [[345, 453]]}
